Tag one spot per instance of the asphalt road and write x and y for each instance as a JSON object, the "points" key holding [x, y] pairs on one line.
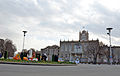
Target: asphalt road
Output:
{"points": [[80, 70]]}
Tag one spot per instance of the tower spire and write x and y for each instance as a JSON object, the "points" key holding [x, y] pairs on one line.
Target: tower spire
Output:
{"points": [[83, 27], [83, 35]]}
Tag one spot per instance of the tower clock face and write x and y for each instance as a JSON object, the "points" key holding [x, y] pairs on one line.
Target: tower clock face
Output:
{"points": [[83, 37]]}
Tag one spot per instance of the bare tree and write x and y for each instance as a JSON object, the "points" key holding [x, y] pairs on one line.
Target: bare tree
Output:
{"points": [[104, 52], [93, 50], [9, 47], [2, 46]]}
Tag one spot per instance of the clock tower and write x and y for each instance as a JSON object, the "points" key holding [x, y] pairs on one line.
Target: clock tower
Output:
{"points": [[83, 36]]}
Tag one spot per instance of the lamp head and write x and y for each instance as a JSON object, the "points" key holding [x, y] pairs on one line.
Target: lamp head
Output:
{"points": [[109, 28], [25, 31]]}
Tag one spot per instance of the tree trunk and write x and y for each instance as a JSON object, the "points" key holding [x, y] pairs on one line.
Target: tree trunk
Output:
{"points": [[95, 59]]}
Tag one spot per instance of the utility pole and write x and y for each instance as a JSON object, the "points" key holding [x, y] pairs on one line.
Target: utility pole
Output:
{"points": [[24, 38], [109, 33]]}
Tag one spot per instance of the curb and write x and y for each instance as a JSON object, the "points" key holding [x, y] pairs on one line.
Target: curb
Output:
{"points": [[37, 64]]}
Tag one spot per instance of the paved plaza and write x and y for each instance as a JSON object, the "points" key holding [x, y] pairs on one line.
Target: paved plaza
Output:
{"points": [[80, 70]]}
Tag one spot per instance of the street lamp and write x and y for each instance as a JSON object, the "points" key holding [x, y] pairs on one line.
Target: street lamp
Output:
{"points": [[24, 38], [109, 33]]}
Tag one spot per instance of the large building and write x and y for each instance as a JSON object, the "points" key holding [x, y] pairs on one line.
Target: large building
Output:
{"points": [[72, 50]]}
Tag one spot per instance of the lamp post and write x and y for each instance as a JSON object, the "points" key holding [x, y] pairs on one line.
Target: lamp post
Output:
{"points": [[109, 33], [24, 38]]}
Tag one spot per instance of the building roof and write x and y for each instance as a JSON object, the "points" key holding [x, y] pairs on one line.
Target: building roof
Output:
{"points": [[79, 41], [51, 47], [115, 47], [69, 41]]}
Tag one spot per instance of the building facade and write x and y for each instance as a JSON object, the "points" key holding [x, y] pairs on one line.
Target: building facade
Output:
{"points": [[116, 54], [72, 50], [49, 51]]}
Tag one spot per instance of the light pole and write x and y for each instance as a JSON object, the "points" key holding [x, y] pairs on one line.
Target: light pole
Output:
{"points": [[109, 33], [24, 38]]}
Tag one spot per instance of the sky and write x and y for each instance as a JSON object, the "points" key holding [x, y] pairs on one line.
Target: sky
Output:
{"points": [[49, 21]]}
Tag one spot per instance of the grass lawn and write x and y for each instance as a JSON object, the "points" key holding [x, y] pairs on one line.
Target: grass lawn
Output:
{"points": [[40, 62]]}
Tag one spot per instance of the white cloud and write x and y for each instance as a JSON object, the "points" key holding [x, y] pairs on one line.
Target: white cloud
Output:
{"points": [[111, 4], [48, 21]]}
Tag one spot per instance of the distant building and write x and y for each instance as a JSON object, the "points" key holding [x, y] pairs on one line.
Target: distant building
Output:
{"points": [[50, 50], [116, 53], [83, 49]]}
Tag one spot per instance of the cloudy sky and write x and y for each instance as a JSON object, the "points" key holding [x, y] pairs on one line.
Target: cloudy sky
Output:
{"points": [[48, 21]]}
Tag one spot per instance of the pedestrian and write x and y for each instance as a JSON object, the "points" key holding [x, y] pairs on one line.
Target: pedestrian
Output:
{"points": [[77, 61]]}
